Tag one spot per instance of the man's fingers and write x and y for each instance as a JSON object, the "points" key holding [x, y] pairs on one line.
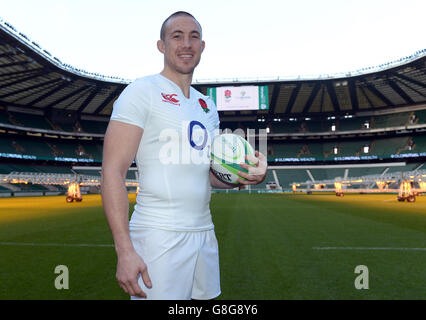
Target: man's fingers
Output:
{"points": [[134, 284], [256, 170], [131, 287], [126, 288], [246, 182], [257, 160], [145, 277], [252, 159], [254, 163], [130, 268], [251, 170], [261, 156], [136, 289], [247, 176], [245, 166]]}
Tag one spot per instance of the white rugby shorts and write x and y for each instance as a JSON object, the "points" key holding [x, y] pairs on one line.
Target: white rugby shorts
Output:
{"points": [[181, 265]]}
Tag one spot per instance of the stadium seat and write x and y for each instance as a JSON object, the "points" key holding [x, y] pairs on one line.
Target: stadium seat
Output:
{"points": [[30, 120], [391, 120], [92, 126]]}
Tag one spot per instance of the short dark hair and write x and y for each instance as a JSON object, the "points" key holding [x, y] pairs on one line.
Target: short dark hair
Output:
{"points": [[176, 14]]}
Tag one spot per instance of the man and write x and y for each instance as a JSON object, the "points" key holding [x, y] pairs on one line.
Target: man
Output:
{"points": [[169, 249]]}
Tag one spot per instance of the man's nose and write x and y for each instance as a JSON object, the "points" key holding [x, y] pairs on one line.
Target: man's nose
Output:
{"points": [[187, 42]]}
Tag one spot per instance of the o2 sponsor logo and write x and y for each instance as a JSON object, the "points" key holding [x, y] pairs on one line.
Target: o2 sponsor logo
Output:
{"points": [[190, 146], [201, 133]]}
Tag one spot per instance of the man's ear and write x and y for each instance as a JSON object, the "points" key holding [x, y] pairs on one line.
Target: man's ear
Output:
{"points": [[161, 46], [203, 45]]}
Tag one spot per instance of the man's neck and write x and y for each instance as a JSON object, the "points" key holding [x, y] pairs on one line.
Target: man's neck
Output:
{"points": [[182, 81]]}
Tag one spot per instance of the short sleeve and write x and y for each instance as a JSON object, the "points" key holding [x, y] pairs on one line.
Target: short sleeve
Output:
{"points": [[133, 105], [214, 117]]}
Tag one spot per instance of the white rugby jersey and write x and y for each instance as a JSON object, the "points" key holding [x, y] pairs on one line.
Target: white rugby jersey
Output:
{"points": [[173, 154]]}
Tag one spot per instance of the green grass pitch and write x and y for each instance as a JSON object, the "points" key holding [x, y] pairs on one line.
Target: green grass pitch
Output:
{"points": [[272, 246]]}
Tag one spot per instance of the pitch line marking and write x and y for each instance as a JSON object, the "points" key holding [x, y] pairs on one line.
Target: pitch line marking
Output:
{"points": [[369, 248], [33, 244]]}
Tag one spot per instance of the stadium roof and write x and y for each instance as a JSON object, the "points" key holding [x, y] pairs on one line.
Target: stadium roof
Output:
{"points": [[30, 77]]}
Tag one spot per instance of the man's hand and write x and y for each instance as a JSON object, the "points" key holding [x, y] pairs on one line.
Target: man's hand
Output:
{"points": [[255, 174], [129, 266]]}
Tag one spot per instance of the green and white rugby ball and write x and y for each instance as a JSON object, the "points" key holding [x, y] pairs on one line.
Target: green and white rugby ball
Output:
{"points": [[227, 152]]}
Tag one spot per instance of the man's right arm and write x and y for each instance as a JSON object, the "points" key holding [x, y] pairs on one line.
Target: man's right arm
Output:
{"points": [[120, 146]]}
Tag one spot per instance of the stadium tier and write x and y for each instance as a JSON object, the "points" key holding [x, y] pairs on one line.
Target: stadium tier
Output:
{"points": [[398, 119], [19, 147], [360, 148], [99, 126], [37, 121]]}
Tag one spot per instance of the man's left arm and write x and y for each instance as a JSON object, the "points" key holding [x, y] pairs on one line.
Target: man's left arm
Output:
{"points": [[218, 184], [256, 174]]}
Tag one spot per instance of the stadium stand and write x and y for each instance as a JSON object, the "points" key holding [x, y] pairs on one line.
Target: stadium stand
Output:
{"points": [[53, 118], [287, 177]]}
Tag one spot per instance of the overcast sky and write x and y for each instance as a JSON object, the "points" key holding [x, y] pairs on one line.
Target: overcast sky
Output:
{"points": [[243, 38]]}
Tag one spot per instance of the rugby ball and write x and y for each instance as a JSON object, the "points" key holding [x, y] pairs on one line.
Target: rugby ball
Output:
{"points": [[227, 152]]}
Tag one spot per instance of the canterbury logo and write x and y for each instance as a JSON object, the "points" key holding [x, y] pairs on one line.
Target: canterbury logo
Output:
{"points": [[170, 98]]}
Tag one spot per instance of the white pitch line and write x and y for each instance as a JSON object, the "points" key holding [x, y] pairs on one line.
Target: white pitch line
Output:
{"points": [[369, 248], [33, 244]]}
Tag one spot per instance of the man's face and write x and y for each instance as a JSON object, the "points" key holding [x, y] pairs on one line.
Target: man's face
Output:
{"points": [[182, 45]]}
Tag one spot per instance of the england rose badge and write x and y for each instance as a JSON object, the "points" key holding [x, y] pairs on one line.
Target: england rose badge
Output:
{"points": [[203, 105]]}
